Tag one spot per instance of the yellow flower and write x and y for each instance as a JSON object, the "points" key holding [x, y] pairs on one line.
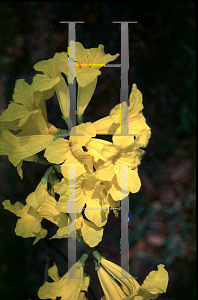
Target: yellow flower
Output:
{"points": [[128, 288], [40, 205], [28, 114], [45, 204], [70, 151], [88, 63], [88, 231], [108, 159], [24, 147], [87, 192], [52, 78], [110, 286], [155, 283], [89, 197], [28, 106], [136, 122], [29, 224], [124, 151], [64, 287]]}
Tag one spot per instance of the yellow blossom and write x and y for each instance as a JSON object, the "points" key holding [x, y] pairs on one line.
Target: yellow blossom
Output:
{"points": [[52, 78], [24, 147], [28, 105], [27, 113], [70, 151], [136, 122], [89, 197], [125, 150], [86, 230], [45, 204], [64, 287], [40, 205], [87, 192], [110, 286], [108, 159], [88, 63], [29, 224], [133, 118], [129, 289]]}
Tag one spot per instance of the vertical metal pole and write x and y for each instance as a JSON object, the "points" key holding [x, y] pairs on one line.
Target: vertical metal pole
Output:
{"points": [[72, 117], [72, 70], [72, 227], [124, 245]]}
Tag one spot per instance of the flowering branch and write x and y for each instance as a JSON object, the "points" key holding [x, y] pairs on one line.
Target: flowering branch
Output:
{"points": [[91, 171]]}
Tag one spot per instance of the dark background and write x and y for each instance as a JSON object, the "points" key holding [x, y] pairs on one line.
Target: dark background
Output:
{"points": [[162, 64]]}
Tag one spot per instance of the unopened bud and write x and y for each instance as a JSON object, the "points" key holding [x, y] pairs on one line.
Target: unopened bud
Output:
{"points": [[82, 260], [98, 256], [44, 179]]}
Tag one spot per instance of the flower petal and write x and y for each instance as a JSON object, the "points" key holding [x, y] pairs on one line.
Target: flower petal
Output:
{"points": [[155, 283], [25, 146], [92, 235], [105, 125], [57, 151], [42, 82]]}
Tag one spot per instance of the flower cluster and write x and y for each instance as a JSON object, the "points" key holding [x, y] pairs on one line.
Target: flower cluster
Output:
{"points": [[85, 175], [116, 283]]}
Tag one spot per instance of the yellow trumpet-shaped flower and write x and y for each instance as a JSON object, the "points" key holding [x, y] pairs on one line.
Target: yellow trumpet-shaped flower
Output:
{"points": [[52, 78], [88, 63], [116, 161], [24, 147], [40, 205], [70, 151], [109, 162], [127, 283], [45, 204], [27, 108], [89, 197], [131, 117], [110, 286], [154, 284], [29, 224], [27, 113], [65, 287], [86, 230]]}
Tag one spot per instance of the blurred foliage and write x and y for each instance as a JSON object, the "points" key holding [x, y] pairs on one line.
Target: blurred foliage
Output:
{"points": [[162, 64]]}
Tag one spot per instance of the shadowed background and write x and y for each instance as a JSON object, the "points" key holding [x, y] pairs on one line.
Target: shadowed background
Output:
{"points": [[162, 64]]}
